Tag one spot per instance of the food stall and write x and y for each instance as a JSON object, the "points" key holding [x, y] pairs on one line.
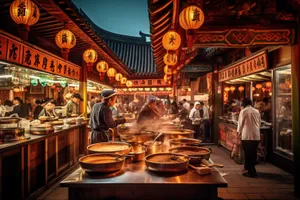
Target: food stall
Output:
{"points": [[33, 155], [248, 77]]}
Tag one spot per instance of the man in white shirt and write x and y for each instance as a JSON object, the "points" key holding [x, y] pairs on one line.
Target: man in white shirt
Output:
{"points": [[249, 131], [194, 116], [186, 105], [204, 114]]}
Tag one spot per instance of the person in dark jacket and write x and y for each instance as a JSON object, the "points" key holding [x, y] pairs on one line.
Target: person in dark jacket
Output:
{"points": [[174, 108], [101, 117], [149, 113], [37, 109], [17, 107]]}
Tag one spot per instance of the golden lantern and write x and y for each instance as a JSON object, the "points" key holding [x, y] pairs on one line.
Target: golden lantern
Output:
{"points": [[25, 13], [191, 17], [241, 89], [154, 89], [147, 89], [118, 77], [171, 40], [226, 89], [123, 80], [65, 40], [170, 59], [167, 70], [268, 84], [232, 88], [111, 72], [129, 83], [258, 86], [102, 67], [90, 56]]}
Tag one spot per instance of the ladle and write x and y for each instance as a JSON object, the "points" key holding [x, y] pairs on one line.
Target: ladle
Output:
{"points": [[160, 134]]}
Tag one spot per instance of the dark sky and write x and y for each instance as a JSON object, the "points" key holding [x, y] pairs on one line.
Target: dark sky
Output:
{"points": [[126, 17]]}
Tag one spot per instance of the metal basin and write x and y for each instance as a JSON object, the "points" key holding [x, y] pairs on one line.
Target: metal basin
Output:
{"points": [[196, 154], [110, 147], [184, 142], [102, 163]]}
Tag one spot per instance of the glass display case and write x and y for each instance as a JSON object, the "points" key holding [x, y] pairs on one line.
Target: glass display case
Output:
{"points": [[282, 111]]}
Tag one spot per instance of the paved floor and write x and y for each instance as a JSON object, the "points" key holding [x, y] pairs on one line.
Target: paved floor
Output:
{"points": [[271, 183]]}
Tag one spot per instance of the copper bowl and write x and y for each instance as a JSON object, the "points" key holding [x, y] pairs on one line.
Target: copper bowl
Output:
{"points": [[180, 163], [110, 147], [196, 154], [177, 142], [91, 164]]}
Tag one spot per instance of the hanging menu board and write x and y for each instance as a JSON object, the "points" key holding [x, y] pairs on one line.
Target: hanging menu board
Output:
{"points": [[35, 58], [256, 63]]}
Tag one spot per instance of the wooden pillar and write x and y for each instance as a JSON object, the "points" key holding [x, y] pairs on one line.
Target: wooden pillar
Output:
{"points": [[296, 109], [217, 103], [83, 89]]}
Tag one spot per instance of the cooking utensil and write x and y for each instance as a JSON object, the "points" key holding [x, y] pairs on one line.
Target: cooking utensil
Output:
{"points": [[138, 153], [184, 142], [196, 154], [40, 130], [201, 170], [153, 147], [177, 163], [110, 147], [204, 161], [102, 163]]}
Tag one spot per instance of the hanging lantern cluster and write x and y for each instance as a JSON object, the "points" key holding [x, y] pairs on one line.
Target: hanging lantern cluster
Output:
{"points": [[129, 83], [25, 13], [102, 67], [171, 41], [167, 78], [170, 59], [111, 72], [191, 17], [226, 89], [232, 88], [241, 89], [167, 70], [123, 81], [90, 56], [65, 40], [118, 77]]}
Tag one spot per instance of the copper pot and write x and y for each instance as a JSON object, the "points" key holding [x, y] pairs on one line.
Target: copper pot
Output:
{"points": [[196, 154], [110, 147]]}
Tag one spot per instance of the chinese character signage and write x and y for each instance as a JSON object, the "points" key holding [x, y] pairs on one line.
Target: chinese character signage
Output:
{"points": [[149, 83], [256, 63], [34, 58]]}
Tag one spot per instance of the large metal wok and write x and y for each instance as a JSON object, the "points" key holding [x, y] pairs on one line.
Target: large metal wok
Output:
{"points": [[110, 147], [167, 162], [196, 154], [102, 163]]}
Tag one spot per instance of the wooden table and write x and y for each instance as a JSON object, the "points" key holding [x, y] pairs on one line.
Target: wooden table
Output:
{"points": [[136, 182]]}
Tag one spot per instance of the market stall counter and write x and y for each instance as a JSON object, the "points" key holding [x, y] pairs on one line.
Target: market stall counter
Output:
{"points": [[134, 181]]}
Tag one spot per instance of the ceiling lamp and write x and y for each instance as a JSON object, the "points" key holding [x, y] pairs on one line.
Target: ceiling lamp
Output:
{"points": [[168, 89], [118, 77], [25, 13], [268, 84], [43, 82], [134, 89], [161, 89], [167, 70], [170, 59], [111, 73], [90, 56], [258, 86], [102, 67], [141, 89], [65, 40], [129, 83], [241, 89], [147, 89], [191, 17], [123, 81], [129, 89], [34, 82], [226, 89], [124, 89], [232, 88], [16, 89], [154, 89], [171, 40]]}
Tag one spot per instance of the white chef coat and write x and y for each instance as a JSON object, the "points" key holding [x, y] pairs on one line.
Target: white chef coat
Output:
{"points": [[249, 124], [205, 112]]}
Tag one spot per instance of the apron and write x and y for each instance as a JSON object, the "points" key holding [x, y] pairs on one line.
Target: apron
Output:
{"points": [[99, 136]]}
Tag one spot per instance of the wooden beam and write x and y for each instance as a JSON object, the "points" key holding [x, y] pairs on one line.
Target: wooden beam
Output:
{"points": [[152, 13], [175, 17]]}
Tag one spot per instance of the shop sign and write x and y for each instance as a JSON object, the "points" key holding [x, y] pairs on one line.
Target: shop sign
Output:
{"points": [[256, 63], [34, 58], [149, 83]]}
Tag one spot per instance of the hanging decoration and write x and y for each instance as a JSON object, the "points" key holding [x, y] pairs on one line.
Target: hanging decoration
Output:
{"points": [[226, 89], [141, 89], [102, 67], [167, 70], [253, 89], [90, 56], [232, 88], [241, 89], [65, 40], [50, 83], [167, 78], [129, 83], [43, 82], [111, 72], [191, 17], [170, 59], [118, 77], [16, 89], [25, 13], [268, 84], [258, 86], [147, 89], [63, 84], [161, 89], [34, 82], [171, 40], [123, 81], [168, 89]]}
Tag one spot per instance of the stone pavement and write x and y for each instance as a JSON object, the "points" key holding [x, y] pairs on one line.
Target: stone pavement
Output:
{"points": [[271, 183]]}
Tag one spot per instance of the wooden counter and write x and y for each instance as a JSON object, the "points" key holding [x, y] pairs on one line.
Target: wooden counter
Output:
{"points": [[136, 182], [27, 167]]}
